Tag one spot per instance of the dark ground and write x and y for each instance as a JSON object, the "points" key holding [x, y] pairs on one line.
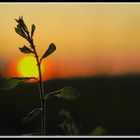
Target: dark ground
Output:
{"points": [[110, 102]]}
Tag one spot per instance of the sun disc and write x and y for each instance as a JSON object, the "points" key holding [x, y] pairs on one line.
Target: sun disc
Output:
{"points": [[27, 67]]}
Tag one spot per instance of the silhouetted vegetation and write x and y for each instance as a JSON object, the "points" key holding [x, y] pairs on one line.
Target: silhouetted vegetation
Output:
{"points": [[107, 103], [66, 92]]}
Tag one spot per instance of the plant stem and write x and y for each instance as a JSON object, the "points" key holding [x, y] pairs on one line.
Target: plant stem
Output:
{"points": [[42, 98], [42, 101]]}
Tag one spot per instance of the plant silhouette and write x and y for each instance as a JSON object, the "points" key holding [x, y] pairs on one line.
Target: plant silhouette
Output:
{"points": [[67, 92]]}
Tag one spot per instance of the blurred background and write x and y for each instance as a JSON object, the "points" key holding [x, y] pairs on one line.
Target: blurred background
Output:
{"points": [[97, 53]]}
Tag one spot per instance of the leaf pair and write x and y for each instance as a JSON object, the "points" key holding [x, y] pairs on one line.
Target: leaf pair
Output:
{"points": [[23, 31], [49, 51], [67, 92]]}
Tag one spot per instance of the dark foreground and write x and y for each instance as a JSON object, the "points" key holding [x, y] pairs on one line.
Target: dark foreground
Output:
{"points": [[112, 103]]}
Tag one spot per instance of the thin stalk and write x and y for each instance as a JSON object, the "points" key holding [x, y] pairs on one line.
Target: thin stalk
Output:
{"points": [[43, 101], [42, 98], [22, 30]]}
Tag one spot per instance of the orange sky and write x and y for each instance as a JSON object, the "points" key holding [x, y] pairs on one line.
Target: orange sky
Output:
{"points": [[90, 38]]}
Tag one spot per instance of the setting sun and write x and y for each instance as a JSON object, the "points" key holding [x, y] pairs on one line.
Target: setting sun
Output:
{"points": [[27, 67], [91, 39]]}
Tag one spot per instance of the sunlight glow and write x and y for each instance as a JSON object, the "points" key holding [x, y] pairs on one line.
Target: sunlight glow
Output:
{"points": [[27, 67], [91, 39]]}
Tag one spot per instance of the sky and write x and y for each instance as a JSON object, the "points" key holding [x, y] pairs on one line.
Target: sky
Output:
{"points": [[91, 38]]}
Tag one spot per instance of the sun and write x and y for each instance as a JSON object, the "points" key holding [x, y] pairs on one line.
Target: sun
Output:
{"points": [[27, 67]]}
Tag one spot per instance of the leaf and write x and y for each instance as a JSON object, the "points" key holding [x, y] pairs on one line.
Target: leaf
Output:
{"points": [[98, 131], [67, 92], [20, 32], [31, 115], [22, 24], [32, 30], [49, 51], [11, 83], [69, 126], [25, 50], [66, 115]]}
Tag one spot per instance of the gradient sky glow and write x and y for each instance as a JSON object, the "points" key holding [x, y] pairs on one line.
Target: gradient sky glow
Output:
{"points": [[90, 38]]}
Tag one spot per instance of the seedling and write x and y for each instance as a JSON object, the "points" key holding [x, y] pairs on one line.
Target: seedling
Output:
{"points": [[67, 92]]}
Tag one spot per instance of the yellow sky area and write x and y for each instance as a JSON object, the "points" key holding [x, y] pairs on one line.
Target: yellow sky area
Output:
{"points": [[90, 38]]}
